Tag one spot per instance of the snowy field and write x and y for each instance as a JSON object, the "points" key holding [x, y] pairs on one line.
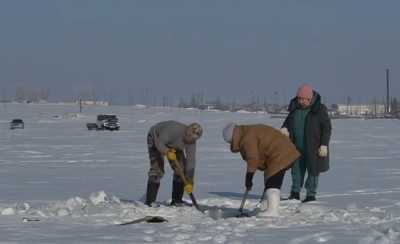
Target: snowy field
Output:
{"points": [[76, 185]]}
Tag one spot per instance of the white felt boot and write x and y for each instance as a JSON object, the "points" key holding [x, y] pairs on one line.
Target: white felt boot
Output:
{"points": [[271, 205]]}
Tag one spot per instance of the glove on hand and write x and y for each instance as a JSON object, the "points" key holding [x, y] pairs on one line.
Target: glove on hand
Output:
{"points": [[323, 151], [284, 131], [171, 154], [188, 188], [249, 180]]}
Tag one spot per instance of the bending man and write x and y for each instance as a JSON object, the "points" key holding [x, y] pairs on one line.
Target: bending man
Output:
{"points": [[177, 142]]}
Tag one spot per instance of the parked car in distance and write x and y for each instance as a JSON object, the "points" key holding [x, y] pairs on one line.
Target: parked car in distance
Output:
{"points": [[104, 122], [17, 124], [107, 122]]}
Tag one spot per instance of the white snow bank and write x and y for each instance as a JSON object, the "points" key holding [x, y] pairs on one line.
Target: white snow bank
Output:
{"points": [[385, 234], [219, 218], [292, 213], [140, 106]]}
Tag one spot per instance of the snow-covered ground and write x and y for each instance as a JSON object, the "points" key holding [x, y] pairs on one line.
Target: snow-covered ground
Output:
{"points": [[76, 186]]}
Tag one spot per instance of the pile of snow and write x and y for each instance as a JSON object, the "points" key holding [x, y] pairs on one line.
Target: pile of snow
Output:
{"points": [[385, 234], [292, 213], [140, 106], [244, 112], [74, 115], [141, 121], [17, 208]]}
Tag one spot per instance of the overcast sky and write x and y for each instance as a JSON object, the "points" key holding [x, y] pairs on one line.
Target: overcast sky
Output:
{"points": [[242, 49]]}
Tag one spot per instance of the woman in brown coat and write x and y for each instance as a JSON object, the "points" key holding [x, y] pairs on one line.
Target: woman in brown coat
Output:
{"points": [[264, 148]]}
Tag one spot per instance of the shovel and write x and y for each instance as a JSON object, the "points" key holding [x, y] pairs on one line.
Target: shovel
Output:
{"points": [[181, 174], [147, 219], [262, 198], [241, 213]]}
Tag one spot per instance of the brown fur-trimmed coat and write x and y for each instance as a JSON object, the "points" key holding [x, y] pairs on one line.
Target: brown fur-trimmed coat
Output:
{"points": [[263, 147]]}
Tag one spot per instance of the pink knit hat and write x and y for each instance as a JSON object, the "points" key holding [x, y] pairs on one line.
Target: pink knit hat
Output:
{"points": [[305, 91]]}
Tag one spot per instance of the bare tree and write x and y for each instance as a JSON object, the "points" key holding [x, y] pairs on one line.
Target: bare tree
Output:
{"points": [[20, 94], [44, 94]]}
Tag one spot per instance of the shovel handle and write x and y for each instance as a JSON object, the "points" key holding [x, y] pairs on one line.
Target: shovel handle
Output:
{"points": [[179, 171], [246, 193], [181, 174], [194, 201], [263, 195]]}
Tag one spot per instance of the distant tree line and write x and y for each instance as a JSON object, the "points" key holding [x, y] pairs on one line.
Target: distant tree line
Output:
{"points": [[23, 94]]}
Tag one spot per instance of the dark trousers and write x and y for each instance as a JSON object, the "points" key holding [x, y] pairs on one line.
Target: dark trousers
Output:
{"points": [[156, 171], [276, 180], [299, 170]]}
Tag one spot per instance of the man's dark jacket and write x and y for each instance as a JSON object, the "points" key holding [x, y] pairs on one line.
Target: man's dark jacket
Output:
{"points": [[317, 132]]}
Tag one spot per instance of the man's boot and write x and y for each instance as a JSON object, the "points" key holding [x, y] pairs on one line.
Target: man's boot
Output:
{"points": [[294, 195], [309, 199], [177, 194], [152, 190]]}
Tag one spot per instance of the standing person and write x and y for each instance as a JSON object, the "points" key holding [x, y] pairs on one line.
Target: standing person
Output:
{"points": [[264, 148], [177, 142], [309, 127]]}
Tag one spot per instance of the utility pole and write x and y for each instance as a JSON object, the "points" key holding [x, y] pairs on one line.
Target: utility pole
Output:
{"points": [[80, 105], [349, 110], [387, 108]]}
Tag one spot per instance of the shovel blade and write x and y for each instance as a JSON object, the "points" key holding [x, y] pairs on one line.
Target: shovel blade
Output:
{"points": [[147, 219], [242, 215], [156, 219]]}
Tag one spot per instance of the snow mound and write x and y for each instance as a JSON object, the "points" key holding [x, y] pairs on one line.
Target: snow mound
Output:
{"points": [[8, 211], [100, 198], [17, 208], [74, 115], [140, 106], [385, 234], [47, 121], [218, 214]]}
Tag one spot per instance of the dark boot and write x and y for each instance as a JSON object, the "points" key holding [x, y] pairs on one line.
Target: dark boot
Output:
{"points": [[151, 194], [177, 192], [294, 195], [309, 199]]}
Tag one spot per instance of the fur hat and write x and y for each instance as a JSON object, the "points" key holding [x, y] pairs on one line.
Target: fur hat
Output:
{"points": [[227, 132], [305, 91]]}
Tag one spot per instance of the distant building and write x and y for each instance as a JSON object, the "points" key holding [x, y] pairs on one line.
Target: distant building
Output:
{"points": [[89, 102], [359, 109]]}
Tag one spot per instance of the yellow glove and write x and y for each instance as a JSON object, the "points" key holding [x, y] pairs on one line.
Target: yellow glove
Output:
{"points": [[171, 154], [189, 188]]}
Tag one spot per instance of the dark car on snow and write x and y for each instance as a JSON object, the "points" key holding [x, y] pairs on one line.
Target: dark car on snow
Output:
{"points": [[17, 124], [105, 122]]}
